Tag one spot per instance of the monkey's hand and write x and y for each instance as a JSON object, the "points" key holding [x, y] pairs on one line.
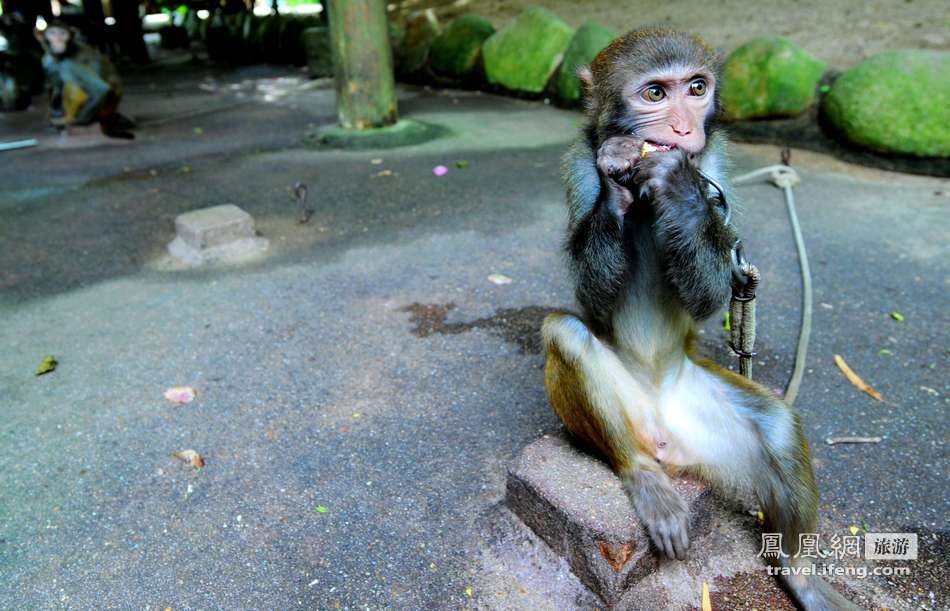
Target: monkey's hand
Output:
{"points": [[617, 160], [662, 510]]}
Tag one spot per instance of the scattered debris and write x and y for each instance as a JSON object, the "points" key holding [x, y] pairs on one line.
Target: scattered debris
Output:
{"points": [[18, 144], [469, 592], [499, 279], [461, 164], [299, 193], [198, 131], [727, 322], [827, 306], [856, 380], [930, 391], [49, 364], [192, 457], [854, 530], [181, 394], [897, 316], [440, 170], [707, 603], [384, 173], [376, 161], [836, 440], [885, 352], [320, 509]]}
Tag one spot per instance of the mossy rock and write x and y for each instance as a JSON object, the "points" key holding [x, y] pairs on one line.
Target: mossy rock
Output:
{"points": [[895, 102], [524, 54], [455, 53], [769, 77], [316, 41], [422, 28], [587, 42]]}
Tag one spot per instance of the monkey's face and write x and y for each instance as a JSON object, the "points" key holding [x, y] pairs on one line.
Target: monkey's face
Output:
{"points": [[669, 107], [58, 39]]}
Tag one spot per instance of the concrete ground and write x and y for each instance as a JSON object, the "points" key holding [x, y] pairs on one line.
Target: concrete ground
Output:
{"points": [[368, 367]]}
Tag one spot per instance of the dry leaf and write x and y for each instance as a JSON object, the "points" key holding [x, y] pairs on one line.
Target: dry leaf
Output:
{"points": [[707, 603], [469, 592], [856, 380], [499, 279], [854, 530], [190, 456], [181, 394]]}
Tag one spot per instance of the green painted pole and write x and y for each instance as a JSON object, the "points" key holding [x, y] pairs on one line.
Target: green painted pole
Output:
{"points": [[363, 64]]}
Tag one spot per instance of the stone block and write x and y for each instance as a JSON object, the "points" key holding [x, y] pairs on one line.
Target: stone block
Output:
{"points": [[218, 233], [576, 504]]}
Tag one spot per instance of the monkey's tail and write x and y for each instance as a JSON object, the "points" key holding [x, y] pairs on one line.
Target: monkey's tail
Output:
{"points": [[810, 591]]}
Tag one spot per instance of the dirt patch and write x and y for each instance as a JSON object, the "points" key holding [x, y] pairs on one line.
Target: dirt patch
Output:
{"points": [[520, 326]]}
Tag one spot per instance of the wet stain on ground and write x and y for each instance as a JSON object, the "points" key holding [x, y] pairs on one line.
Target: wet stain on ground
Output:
{"points": [[520, 326]]}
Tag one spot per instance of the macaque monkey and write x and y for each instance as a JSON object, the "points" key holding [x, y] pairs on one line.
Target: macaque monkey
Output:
{"points": [[650, 251], [84, 86]]}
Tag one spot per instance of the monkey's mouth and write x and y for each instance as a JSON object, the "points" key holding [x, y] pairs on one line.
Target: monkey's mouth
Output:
{"points": [[649, 146]]}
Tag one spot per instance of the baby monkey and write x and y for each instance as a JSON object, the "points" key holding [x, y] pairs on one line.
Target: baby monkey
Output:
{"points": [[650, 251]]}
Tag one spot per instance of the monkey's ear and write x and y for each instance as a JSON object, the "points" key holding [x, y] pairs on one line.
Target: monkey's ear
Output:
{"points": [[587, 83]]}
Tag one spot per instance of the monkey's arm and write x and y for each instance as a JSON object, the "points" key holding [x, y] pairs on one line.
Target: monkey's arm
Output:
{"points": [[691, 231], [596, 204]]}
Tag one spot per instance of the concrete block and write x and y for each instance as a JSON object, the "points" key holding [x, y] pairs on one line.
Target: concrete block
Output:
{"points": [[219, 233], [576, 504]]}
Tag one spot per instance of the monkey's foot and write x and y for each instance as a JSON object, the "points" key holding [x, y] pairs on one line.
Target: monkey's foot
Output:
{"points": [[661, 509]]}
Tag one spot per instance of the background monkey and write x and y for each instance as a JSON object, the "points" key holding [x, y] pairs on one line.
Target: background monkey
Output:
{"points": [[650, 253]]}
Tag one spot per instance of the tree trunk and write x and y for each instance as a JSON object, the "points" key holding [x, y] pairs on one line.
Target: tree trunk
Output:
{"points": [[363, 63]]}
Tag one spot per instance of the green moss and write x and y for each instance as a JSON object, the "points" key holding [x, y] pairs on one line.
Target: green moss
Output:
{"points": [[587, 42], [524, 54], [896, 102], [769, 77], [421, 30], [455, 52]]}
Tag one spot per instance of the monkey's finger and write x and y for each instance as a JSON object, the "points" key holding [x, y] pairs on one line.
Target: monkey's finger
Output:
{"points": [[681, 542]]}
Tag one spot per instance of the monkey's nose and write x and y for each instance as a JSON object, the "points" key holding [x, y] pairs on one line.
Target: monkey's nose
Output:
{"points": [[681, 130]]}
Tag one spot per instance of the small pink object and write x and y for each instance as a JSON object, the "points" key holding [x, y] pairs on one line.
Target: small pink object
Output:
{"points": [[440, 170]]}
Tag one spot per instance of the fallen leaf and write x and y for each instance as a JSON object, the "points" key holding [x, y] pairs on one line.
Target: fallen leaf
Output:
{"points": [[836, 440], [760, 516], [856, 380], [707, 603], [469, 592], [727, 323], [181, 394], [461, 164], [897, 316], [854, 530], [320, 509], [824, 88], [190, 456], [440, 170], [385, 173], [885, 351], [499, 279], [48, 365]]}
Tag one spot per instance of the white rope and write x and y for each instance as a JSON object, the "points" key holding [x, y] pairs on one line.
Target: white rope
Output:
{"points": [[785, 177]]}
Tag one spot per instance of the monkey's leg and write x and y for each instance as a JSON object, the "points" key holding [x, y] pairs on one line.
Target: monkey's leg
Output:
{"points": [[603, 405], [778, 467]]}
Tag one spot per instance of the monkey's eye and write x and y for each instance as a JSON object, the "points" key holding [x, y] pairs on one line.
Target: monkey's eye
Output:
{"points": [[653, 93], [698, 87]]}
